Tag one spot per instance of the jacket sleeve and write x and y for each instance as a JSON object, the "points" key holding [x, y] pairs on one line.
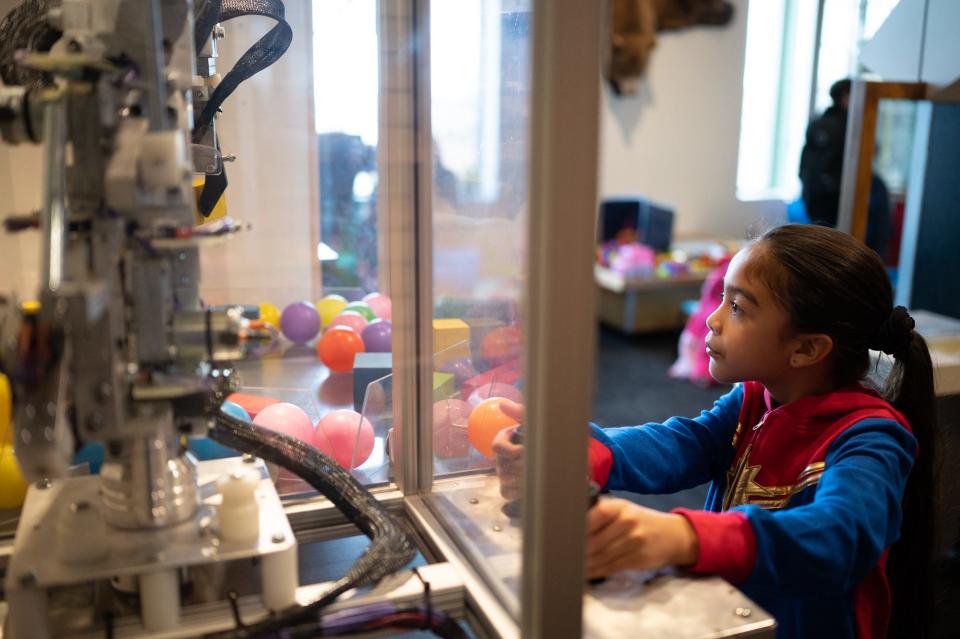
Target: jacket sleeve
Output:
{"points": [[677, 454], [829, 545]]}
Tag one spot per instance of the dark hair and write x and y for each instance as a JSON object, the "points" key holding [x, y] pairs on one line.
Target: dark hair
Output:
{"points": [[839, 89], [830, 283]]}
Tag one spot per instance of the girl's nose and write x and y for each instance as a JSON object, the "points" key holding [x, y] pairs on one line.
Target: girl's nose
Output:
{"points": [[713, 322]]}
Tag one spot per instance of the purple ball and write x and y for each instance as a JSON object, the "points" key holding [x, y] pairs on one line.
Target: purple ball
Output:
{"points": [[377, 336], [300, 322], [461, 368]]}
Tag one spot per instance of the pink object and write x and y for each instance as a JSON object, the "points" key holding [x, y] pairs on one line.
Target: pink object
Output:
{"points": [[380, 304], [496, 389], [288, 419], [693, 363], [350, 319], [450, 428], [337, 435]]}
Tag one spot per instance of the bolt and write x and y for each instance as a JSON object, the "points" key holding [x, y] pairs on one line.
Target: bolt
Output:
{"points": [[743, 612], [229, 158], [248, 458], [278, 538], [44, 483], [474, 500]]}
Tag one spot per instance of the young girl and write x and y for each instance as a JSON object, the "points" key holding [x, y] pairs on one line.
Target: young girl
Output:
{"points": [[820, 497]]}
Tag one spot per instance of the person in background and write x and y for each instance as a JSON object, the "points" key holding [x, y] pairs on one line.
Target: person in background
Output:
{"points": [[821, 162]]}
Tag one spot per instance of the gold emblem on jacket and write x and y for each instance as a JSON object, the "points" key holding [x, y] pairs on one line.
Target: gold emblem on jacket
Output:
{"points": [[743, 488]]}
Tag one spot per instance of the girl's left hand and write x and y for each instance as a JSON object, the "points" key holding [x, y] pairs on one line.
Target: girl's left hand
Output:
{"points": [[624, 536]]}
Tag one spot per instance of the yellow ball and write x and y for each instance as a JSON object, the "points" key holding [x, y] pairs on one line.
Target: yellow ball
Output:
{"points": [[13, 489], [270, 314], [6, 407], [329, 307]]}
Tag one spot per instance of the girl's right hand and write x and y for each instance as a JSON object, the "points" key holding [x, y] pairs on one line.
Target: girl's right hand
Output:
{"points": [[509, 456]]}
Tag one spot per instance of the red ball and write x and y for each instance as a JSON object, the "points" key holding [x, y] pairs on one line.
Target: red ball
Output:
{"points": [[501, 345], [337, 348], [346, 436], [486, 421]]}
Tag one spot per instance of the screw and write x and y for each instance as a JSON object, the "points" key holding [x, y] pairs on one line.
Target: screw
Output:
{"points": [[229, 158], [44, 483], [248, 458], [278, 538], [743, 612], [474, 500]]}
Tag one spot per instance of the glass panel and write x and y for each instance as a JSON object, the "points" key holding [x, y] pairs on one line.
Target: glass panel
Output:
{"points": [[480, 96], [308, 266]]}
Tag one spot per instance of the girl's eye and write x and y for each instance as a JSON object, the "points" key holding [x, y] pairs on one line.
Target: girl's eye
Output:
{"points": [[734, 306]]}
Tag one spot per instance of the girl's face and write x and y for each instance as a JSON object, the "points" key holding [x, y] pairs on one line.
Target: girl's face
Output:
{"points": [[749, 336]]}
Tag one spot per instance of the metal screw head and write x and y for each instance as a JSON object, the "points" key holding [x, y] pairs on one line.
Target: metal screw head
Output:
{"points": [[497, 528], [743, 612], [248, 458], [278, 538], [44, 483], [474, 500]]}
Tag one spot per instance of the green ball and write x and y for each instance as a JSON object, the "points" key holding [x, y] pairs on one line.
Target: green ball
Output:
{"points": [[362, 308]]}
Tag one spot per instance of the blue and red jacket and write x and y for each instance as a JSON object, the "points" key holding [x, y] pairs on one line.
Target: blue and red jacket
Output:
{"points": [[804, 499]]}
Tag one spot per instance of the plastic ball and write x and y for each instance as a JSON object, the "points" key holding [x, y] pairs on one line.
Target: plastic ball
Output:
{"points": [[347, 435], [251, 404], [496, 389], [235, 410], [363, 308], [485, 421], [337, 348], [329, 307], [6, 411], [377, 336], [288, 419], [501, 345], [13, 490], [300, 322], [350, 319], [450, 428], [269, 314], [461, 368], [380, 304]]}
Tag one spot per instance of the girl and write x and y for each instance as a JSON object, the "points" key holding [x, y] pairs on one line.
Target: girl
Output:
{"points": [[820, 497]]}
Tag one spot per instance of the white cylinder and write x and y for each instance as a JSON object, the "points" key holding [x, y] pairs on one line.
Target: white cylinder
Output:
{"points": [[279, 579], [160, 600], [239, 511]]}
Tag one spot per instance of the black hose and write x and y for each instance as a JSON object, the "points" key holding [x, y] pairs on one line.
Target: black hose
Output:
{"points": [[390, 548]]}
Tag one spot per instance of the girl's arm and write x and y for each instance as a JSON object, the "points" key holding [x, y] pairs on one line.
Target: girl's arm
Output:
{"points": [[829, 545], [664, 458]]}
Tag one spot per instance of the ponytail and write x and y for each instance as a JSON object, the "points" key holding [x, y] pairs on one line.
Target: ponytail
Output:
{"points": [[910, 389]]}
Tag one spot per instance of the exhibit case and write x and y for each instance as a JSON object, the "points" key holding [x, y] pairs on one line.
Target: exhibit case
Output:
{"points": [[411, 207]]}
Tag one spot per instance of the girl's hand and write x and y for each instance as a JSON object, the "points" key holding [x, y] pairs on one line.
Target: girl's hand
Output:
{"points": [[624, 536], [509, 456]]}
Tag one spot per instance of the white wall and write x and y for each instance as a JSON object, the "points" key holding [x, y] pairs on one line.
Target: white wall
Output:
{"points": [[676, 140], [268, 124]]}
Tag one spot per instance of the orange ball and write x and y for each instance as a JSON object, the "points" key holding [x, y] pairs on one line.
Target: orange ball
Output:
{"points": [[501, 345], [337, 348], [486, 421]]}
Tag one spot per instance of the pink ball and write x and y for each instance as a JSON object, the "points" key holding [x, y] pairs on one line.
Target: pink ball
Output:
{"points": [[496, 389], [350, 319], [380, 304], [450, 428], [338, 433], [288, 419]]}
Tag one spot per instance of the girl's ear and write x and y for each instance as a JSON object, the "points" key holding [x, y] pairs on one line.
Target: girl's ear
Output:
{"points": [[812, 348]]}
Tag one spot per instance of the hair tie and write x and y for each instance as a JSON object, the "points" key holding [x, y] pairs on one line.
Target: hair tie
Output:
{"points": [[895, 334]]}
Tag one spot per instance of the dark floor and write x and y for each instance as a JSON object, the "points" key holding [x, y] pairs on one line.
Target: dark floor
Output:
{"points": [[633, 388]]}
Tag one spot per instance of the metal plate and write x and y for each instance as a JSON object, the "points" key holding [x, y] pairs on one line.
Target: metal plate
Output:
{"points": [[36, 561], [630, 604]]}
